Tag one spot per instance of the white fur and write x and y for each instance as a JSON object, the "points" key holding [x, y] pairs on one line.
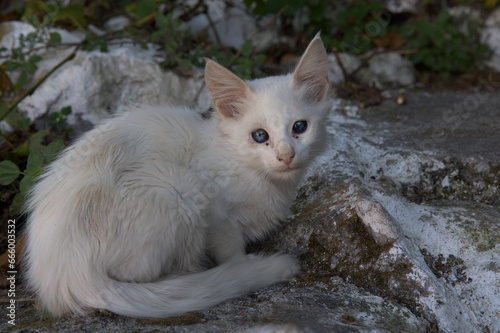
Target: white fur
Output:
{"points": [[124, 218]]}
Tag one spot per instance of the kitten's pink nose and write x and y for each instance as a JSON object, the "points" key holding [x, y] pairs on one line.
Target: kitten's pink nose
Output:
{"points": [[287, 159], [285, 153]]}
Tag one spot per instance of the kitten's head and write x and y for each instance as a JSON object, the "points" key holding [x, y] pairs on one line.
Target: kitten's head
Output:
{"points": [[274, 125]]}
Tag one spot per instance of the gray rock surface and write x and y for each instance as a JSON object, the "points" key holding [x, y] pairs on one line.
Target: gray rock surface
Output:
{"points": [[388, 70], [385, 70], [490, 35], [408, 214], [97, 85]]}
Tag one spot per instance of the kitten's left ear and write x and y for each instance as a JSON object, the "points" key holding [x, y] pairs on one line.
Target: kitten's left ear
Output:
{"points": [[229, 92], [311, 73]]}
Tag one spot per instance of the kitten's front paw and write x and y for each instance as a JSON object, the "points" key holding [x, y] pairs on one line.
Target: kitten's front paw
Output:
{"points": [[285, 266]]}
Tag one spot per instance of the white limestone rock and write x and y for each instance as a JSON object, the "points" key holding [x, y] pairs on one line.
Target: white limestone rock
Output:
{"points": [[490, 35], [402, 6], [349, 62], [385, 70], [98, 84], [388, 70]]}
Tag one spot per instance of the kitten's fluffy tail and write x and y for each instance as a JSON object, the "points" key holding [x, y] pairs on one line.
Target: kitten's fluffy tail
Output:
{"points": [[196, 291]]}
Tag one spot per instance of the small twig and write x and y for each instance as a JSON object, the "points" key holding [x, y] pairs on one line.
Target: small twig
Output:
{"points": [[344, 72], [193, 11], [148, 18], [4, 138], [32, 89], [365, 61], [212, 25], [198, 92], [231, 62]]}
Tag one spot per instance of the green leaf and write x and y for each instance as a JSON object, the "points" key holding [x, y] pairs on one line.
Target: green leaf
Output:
{"points": [[65, 111], [246, 49], [4, 110], [35, 140], [51, 151], [26, 183], [54, 116], [54, 38], [35, 58], [16, 207], [8, 172], [30, 68], [35, 163], [21, 80], [21, 150], [144, 8], [259, 59], [76, 16], [15, 120], [11, 66], [186, 64]]}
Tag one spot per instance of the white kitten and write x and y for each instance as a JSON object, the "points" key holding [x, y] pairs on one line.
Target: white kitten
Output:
{"points": [[124, 218]]}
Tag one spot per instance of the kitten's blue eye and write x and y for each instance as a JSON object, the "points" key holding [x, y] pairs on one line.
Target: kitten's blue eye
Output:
{"points": [[260, 136], [299, 127]]}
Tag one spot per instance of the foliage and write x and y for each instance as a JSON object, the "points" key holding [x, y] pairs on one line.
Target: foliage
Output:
{"points": [[352, 24], [440, 43], [357, 25], [23, 58], [442, 47], [36, 151], [490, 3]]}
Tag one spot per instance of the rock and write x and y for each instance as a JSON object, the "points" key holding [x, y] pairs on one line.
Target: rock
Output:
{"points": [[434, 250], [287, 308], [233, 24], [490, 35], [349, 62], [97, 84], [402, 6], [377, 221], [11, 32], [117, 23], [387, 70]]}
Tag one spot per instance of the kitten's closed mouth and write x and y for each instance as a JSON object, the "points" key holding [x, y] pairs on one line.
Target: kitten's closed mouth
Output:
{"points": [[289, 169]]}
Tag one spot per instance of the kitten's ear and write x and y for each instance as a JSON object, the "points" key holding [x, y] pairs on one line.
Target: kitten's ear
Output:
{"points": [[228, 91], [311, 73]]}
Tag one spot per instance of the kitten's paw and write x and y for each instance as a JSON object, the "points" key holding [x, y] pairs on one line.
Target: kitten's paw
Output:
{"points": [[284, 266]]}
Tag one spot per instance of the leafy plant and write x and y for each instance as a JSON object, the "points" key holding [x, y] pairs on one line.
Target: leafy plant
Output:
{"points": [[23, 59], [442, 47], [357, 25], [39, 149], [353, 25]]}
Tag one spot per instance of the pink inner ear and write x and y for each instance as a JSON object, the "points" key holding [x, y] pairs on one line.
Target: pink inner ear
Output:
{"points": [[228, 91], [311, 72], [227, 109]]}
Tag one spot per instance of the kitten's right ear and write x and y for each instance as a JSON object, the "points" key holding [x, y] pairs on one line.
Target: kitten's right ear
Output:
{"points": [[311, 72], [228, 91]]}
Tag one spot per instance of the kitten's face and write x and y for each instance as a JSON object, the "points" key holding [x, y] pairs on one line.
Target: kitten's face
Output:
{"points": [[275, 125], [278, 134]]}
